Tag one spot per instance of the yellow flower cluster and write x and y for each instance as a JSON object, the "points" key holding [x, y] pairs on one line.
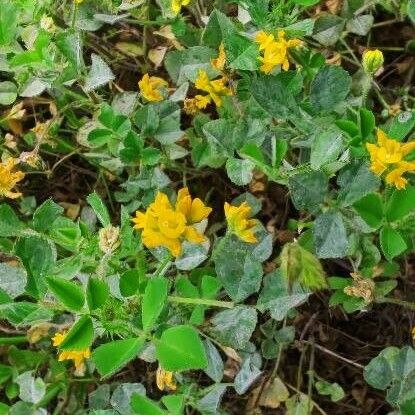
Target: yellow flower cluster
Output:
{"points": [[239, 222], [167, 226], [165, 380], [388, 156], [78, 356], [275, 51], [372, 60], [176, 5], [215, 89], [151, 87], [9, 179]]}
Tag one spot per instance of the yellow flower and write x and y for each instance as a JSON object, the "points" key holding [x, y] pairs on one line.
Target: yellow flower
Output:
{"points": [[275, 52], [150, 87], [77, 356], [238, 222], [163, 225], [216, 89], [176, 5], [9, 179], [390, 153], [165, 380], [372, 60], [219, 62]]}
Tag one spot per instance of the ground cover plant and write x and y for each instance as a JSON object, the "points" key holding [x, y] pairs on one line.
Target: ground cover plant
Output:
{"points": [[207, 207]]}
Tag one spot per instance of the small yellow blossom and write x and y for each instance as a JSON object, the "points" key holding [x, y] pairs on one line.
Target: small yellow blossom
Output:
{"points": [[47, 23], [78, 1], [219, 62], [165, 380], [275, 51], [176, 5], [165, 225], [216, 89], [9, 179], [78, 357], [388, 154], [150, 87], [238, 222], [372, 60]]}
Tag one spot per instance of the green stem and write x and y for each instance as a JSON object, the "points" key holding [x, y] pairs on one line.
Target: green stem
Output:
{"points": [[13, 340], [163, 267], [49, 395], [403, 303], [201, 301]]}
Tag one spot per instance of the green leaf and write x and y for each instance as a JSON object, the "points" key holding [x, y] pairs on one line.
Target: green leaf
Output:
{"points": [[8, 22], [129, 282], [111, 357], [356, 181], [326, 147], [239, 273], [67, 292], [334, 390], [300, 265], [10, 224], [145, 406], [8, 92], [215, 366], [410, 9], [400, 204], [97, 293], [329, 88], [174, 404], [218, 28], [391, 242], [277, 298], [329, 235], [154, 299], [99, 74], [240, 171], [370, 208], [45, 215], [271, 93], [401, 125], [328, 29], [241, 53], [99, 208], [234, 327], [80, 336], [308, 190], [360, 25], [393, 370], [306, 3], [299, 404], [180, 348], [367, 122], [38, 256], [12, 280], [24, 313], [246, 376]]}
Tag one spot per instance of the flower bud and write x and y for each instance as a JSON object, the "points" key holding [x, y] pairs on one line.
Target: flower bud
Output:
{"points": [[109, 239], [372, 60]]}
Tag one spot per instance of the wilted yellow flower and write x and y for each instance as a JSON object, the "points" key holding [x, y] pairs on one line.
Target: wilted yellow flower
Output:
{"points": [[275, 52], [109, 239], [9, 179], [78, 357], [372, 60], [47, 23], [216, 90], [239, 222], [361, 287], [389, 153], [38, 331], [150, 87], [176, 5], [165, 380], [165, 225], [219, 62]]}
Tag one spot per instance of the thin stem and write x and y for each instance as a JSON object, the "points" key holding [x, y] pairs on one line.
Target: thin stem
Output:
{"points": [[396, 301], [163, 267], [13, 340], [201, 301]]}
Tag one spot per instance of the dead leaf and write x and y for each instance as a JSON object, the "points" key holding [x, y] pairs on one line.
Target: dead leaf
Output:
{"points": [[274, 393], [167, 33], [231, 353], [334, 6], [129, 48], [157, 54], [71, 209]]}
